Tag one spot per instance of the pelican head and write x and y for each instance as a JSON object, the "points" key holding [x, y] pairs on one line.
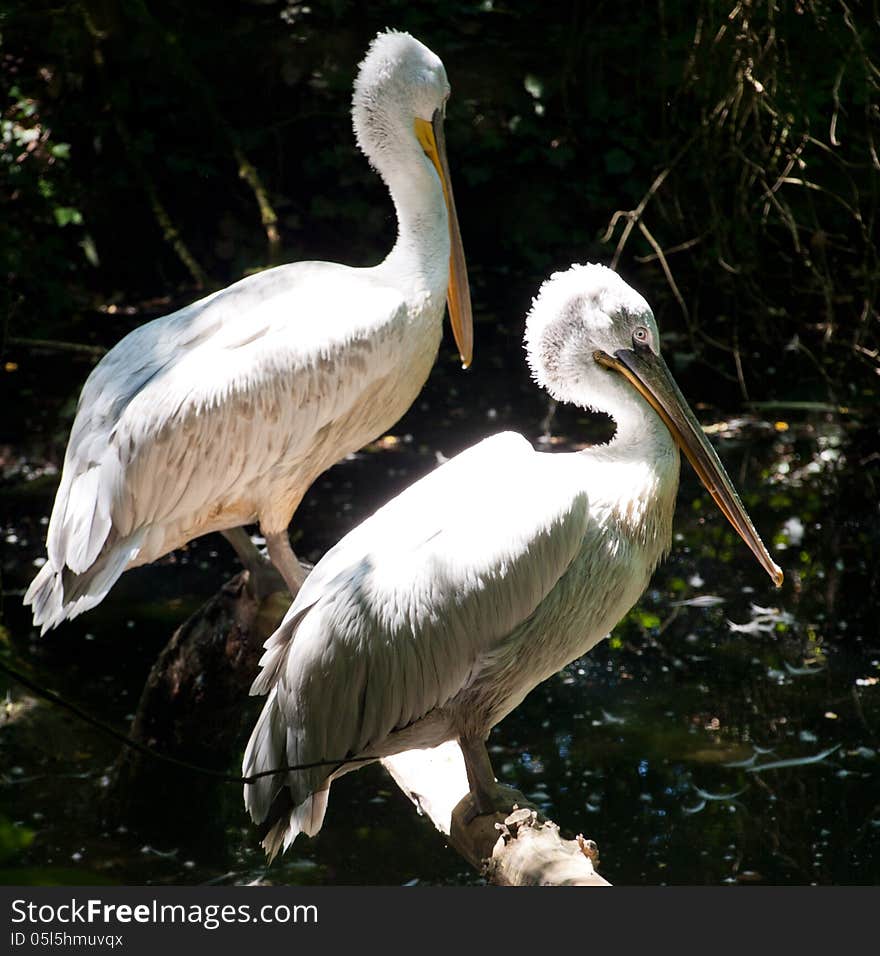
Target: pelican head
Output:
{"points": [[592, 341], [398, 110], [399, 80]]}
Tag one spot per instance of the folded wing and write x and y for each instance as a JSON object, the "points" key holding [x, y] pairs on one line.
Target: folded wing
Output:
{"points": [[395, 619]]}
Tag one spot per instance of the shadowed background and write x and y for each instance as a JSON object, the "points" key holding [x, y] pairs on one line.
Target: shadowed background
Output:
{"points": [[723, 156]]}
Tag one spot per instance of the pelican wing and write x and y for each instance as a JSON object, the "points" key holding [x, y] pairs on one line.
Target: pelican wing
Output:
{"points": [[395, 620], [189, 408]]}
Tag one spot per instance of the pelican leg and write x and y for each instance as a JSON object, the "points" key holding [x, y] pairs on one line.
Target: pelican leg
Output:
{"points": [[263, 578], [287, 563], [486, 796], [481, 776]]}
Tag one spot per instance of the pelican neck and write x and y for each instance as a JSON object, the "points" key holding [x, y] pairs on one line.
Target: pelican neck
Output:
{"points": [[640, 462], [639, 432], [421, 250]]}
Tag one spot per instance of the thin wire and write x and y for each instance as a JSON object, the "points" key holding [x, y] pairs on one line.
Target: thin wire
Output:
{"points": [[220, 775]]}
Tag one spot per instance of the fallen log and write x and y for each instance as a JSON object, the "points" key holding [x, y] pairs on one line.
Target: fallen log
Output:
{"points": [[195, 707]]}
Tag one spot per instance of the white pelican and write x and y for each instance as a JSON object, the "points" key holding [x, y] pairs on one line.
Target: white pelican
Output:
{"points": [[435, 617], [223, 413]]}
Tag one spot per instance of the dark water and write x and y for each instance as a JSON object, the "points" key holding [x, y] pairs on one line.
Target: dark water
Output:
{"points": [[660, 744]]}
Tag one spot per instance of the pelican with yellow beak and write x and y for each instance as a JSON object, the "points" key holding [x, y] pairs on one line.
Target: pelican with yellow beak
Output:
{"points": [[223, 413], [434, 618]]}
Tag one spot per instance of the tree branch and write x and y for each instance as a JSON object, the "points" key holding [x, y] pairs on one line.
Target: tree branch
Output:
{"points": [[521, 848]]}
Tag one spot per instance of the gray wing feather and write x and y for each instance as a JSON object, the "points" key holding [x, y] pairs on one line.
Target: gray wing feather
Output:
{"points": [[190, 407], [394, 621]]}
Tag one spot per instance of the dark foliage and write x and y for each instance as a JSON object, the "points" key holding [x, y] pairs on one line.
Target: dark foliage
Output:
{"points": [[724, 156]]}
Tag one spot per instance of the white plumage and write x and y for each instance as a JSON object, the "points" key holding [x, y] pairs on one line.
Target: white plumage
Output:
{"points": [[435, 617], [224, 412]]}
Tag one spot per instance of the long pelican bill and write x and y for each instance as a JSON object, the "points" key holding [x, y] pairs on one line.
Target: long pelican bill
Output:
{"points": [[649, 374], [458, 296]]}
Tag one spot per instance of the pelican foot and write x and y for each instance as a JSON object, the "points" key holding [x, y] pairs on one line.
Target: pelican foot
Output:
{"points": [[264, 580], [500, 799]]}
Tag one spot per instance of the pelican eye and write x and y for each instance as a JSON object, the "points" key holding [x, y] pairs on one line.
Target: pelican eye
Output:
{"points": [[641, 336]]}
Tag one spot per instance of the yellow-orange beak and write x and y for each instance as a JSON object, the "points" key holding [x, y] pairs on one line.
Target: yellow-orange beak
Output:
{"points": [[643, 368], [458, 296]]}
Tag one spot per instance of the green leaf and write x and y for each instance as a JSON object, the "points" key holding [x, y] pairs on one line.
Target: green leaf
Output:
{"points": [[13, 839], [67, 215]]}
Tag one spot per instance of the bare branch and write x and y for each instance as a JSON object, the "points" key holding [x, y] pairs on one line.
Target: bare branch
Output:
{"points": [[666, 270]]}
